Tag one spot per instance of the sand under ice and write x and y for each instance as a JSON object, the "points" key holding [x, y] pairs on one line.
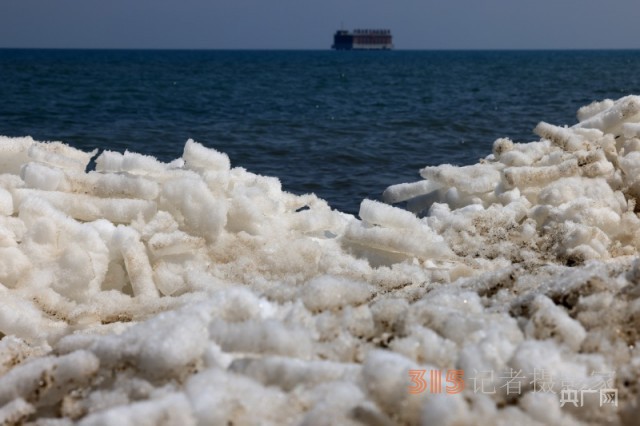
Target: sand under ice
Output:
{"points": [[190, 292]]}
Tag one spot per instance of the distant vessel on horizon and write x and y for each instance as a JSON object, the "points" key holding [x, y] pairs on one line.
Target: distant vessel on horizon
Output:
{"points": [[375, 39]]}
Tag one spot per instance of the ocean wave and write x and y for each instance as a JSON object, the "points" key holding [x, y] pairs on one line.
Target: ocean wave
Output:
{"points": [[191, 292]]}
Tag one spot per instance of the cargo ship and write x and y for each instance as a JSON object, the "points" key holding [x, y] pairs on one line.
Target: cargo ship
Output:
{"points": [[362, 40]]}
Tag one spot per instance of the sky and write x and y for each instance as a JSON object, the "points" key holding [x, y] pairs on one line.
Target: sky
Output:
{"points": [[310, 24]]}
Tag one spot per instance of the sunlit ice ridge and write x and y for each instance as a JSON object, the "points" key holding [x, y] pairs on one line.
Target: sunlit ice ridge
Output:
{"points": [[191, 292]]}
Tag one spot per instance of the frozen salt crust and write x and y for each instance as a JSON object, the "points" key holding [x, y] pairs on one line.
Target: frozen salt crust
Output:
{"points": [[196, 293]]}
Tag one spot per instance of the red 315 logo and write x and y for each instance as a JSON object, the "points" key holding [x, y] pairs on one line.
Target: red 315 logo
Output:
{"points": [[454, 378]]}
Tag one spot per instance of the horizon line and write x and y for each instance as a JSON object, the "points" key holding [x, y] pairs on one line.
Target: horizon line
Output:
{"points": [[435, 49]]}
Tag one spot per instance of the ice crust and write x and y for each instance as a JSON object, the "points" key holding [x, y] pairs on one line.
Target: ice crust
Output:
{"points": [[192, 292]]}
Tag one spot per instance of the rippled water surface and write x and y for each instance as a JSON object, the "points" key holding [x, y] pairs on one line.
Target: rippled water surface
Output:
{"points": [[344, 125]]}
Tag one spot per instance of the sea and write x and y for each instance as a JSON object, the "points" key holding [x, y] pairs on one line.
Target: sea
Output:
{"points": [[344, 125]]}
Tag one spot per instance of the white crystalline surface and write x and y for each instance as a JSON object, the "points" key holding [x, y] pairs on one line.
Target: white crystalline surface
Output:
{"points": [[146, 293]]}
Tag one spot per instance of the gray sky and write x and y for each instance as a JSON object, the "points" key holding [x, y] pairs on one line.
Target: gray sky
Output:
{"points": [[307, 24]]}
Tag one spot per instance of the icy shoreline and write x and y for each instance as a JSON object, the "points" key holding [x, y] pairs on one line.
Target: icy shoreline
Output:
{"points": [[195, 293]]}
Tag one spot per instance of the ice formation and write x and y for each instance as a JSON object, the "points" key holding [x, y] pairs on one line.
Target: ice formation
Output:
{"points": [[190, 292]]}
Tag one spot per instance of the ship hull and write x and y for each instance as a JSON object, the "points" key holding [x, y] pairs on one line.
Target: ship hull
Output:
{"points": [[362, 40]]}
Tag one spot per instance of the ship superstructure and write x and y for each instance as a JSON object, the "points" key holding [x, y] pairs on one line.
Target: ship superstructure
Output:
{"points": [[375, 39]]}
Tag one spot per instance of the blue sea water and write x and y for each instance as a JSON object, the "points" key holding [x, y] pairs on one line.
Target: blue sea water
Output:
{"points": [[344, 125]]}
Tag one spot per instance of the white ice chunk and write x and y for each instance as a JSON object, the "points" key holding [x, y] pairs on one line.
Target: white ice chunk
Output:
{"points": [[502, 146], [136, 260], [593, 108], [45, 380], [162, 222], [445, 409], [539, 176], [165, 244], [342, 403], [565, 190], [41, 176], [406, 191], [422, 203], [130, 162], [61, 155], [237, 304], [168, 278], [22, 318], [199, 158], [479, 178], [631, 130], [14, 350], [610, 120], [48, 178], [377, 213], [287, 373], [544, 407], [73, 254], [14, 152], [6, 203], [13, 265], [222, 398], [195, 207], [114, 186], [166, 345], [327, 292], [422, 242], [386, 378], [563, 137], [171, 409], [261, 337], [16, 412], [584, 242], [630, 165], [550, 320], [545, 356], [88, 208]]}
